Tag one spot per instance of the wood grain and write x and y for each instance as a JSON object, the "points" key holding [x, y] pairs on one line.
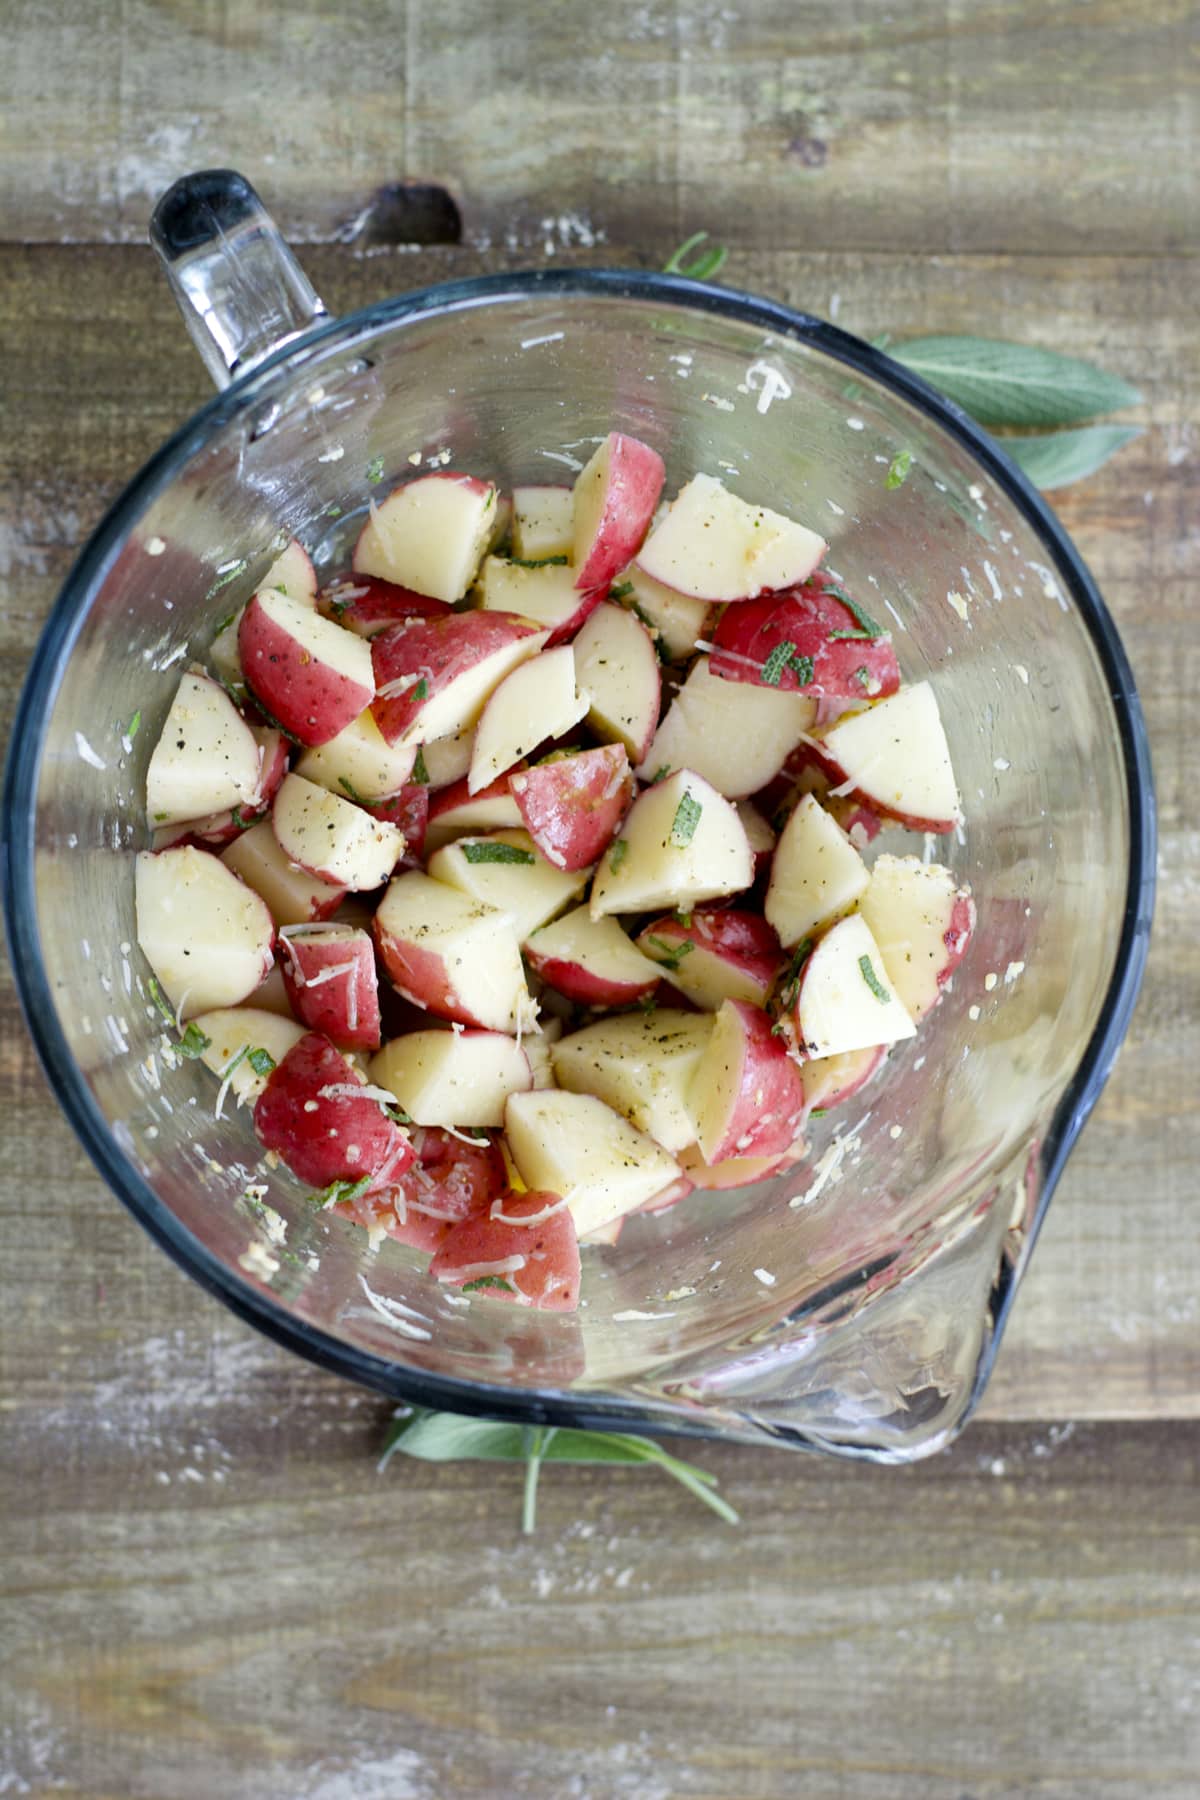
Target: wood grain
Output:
{"points": [[1107, 1324], [1061, 127], [231, 1601]]}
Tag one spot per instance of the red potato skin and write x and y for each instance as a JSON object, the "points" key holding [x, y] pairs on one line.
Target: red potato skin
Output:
{"points": [[747, 633], [573, 808], [221, 828], [635, 480], [330, 1137], [576, 983], [549, 1282], [778, 1091], [421, 976], [293, 688], [958, 934], [409, 809], [326, 1007], [383, 603], [436, 651], [448, 1177], [562, 634], [742, 938]]}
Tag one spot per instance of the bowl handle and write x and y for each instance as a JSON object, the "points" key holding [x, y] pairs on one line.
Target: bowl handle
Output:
{"points": [[241, 291]]}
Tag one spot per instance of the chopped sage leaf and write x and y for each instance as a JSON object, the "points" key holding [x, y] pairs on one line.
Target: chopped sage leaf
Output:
{"points": [[420, 691], [337, 1191], [483, 852], [621, 590], [703, 266], [804, 669], [160, 1000], [671, 954], [193, 1043], [867, 970], [687, 817], [779, 659], [487, 1281], [866, 623], [898, 470], [420, 773], [617, 854], [352, 791], [539, 562], [261, 1061], [131, 730], [375, 471]]}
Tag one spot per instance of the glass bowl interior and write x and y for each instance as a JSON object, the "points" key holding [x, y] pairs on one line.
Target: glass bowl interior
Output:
{"points": [[851, 1303]]}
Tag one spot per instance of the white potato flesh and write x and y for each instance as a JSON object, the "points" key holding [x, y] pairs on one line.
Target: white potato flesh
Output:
{"points": [[816, 874], [527, 888], [233, 1033], [333, 838], [677, 618], [224, 657], [292, 894], [447, 759], [543, 522], [759, 835], [910, 907], [598, 946], [293, 574], [457, 707], [468, 950], [840, 1007], [537, 1046], [456, 1078], [206, 759], [206, 935], [359, 762], [642, 1065], [537, 701], [430, 535], [714, 546], [683, 843], [736, 735], [480, 813], [896, 754], [617, 667], [575, 1146], [547, 595]]}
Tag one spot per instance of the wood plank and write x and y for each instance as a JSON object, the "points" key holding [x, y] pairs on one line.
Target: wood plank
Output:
{"points": [[847, 125], [1105, 1326], [218, 1595]]}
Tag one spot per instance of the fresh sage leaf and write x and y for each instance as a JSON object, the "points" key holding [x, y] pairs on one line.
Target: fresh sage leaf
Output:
{"points": [[449, 1437], [704, 264], [1061, 457], [1000, 383]]}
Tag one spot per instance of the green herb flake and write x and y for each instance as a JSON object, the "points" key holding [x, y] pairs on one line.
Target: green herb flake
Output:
{"points": [[804, 669], [131, 730], [898, 470], [239, 822], [683, 918], [397, 1115], [863, 677], [540, 562], [420, 691], [231, 574], [791, 981], [337, 1191], [617, 855], [621, 590], [226, 622], [333, 511], [867, 971], [235, 1062], [687, 817], [160, 1000], [193, 1043], [779, 660], [704, 264], [483, 852], [671, 955], [420, 774], [661, 776], [352, 791], [867, 626], [487, 1281], [261, 1061], [375, 471]]}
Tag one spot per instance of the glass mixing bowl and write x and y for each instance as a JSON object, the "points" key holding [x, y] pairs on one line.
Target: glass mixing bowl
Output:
{"points": [[857, 1303]]}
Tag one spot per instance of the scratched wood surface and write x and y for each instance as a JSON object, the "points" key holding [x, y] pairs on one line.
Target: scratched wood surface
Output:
{"points": [[207, 1589]]}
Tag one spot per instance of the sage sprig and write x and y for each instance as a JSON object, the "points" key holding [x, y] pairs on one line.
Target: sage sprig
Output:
{"points": [[1012, 388], [431, 1436]]}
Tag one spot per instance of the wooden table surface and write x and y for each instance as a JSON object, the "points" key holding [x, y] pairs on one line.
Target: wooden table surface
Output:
{"points": [[207, 1588]]}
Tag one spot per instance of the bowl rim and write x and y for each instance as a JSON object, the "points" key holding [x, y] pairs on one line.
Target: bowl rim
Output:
{"points": [[552, 1406]]}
